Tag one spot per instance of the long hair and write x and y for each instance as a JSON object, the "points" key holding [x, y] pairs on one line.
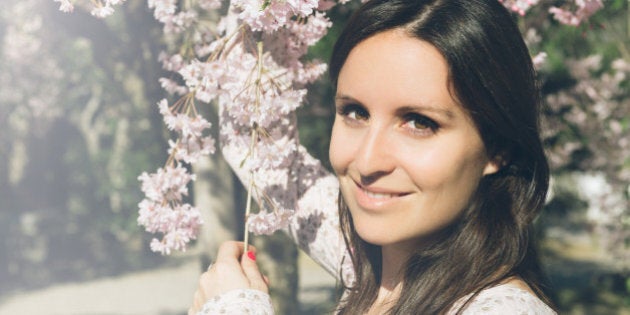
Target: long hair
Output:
{"points": [[491, 74]]}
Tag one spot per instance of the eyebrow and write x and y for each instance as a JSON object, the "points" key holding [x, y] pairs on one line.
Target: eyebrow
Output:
{"points": [[405, 109]]}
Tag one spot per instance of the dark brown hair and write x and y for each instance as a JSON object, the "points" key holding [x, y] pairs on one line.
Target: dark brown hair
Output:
{"points": [[491, 74]]}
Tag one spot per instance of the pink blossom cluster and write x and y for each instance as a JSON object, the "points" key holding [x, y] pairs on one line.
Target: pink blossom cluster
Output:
{"points": [[252, 63], [162, 211], [585, 8], [100, 8], [175, 21], [259, 99], [271, 15], [167, 185], [266, 157], [287, 45], [65, 5], [519, 6], [191, 144], [581, 9], [204, 78], [172, 64], [539, 60]]}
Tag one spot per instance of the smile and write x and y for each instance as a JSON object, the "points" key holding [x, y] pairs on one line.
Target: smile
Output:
{"points": [[378, 196], [373, 198]]}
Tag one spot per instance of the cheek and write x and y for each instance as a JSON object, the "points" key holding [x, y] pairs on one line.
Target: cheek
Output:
{"points": [[340, 149], [425, 163], [445, 167]]}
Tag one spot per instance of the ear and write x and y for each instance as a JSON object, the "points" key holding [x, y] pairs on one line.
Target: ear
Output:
{"points": [[495, 164]]}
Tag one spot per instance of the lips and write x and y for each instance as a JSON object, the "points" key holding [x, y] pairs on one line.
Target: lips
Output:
{"points": [[374, 198], [378, 195]]}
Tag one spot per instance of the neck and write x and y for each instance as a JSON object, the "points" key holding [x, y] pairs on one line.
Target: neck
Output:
{"points": [[395, 256], [393, 265]]}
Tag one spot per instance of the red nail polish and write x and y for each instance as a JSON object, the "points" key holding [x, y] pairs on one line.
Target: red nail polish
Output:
{"points": [[251, 255]]}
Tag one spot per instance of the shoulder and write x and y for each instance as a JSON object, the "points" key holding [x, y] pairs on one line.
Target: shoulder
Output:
{"points": [[506, 299]]}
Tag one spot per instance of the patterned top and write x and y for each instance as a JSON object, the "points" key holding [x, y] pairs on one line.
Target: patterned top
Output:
{"points": [[303, 184]]}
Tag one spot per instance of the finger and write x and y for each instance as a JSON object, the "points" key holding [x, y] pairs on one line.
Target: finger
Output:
{"points": [[252, 272], [196, 302], [230, 251]]}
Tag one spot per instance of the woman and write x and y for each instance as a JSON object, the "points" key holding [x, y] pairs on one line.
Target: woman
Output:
{"points": [[436, 149]]}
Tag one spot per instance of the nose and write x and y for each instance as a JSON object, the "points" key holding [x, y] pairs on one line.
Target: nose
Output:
{"points": [[375, 157]]}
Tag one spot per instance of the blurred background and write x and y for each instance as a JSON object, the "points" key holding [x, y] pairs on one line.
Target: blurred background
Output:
{"points": [[79, 124]]}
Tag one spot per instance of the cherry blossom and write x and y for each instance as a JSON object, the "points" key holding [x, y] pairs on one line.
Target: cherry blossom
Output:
{"points": [[102, 12], [539, 59], [190, 150], [203, 78], [100, 8], [270, 15], [65, 5], [172, 87], [519, 6], [171, 62], [163, 9], [168, 184], [179, 225], [585, 8], [162, 211]]}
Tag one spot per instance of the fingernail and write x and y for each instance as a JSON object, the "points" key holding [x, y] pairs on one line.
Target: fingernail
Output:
{"points": [[251, 255]]}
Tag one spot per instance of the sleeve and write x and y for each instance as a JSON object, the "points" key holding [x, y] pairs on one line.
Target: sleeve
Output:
{"points": [[292, 179], [505, 299], [238, 302]]}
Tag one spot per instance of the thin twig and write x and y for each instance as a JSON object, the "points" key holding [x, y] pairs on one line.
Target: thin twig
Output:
{"points": [[248, 207], [253, 148]]}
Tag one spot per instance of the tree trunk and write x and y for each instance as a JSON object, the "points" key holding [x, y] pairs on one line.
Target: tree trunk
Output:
{"points": [[277, 258], [214, 196]]}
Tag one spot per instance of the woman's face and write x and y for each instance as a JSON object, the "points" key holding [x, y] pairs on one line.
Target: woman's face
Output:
{"points": [[407, 156]]}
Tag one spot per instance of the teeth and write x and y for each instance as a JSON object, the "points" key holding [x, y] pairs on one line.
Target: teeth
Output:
{"points": [[378, 196]]}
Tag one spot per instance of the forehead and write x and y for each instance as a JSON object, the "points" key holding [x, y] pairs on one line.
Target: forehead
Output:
{"points": [[392, 67]]}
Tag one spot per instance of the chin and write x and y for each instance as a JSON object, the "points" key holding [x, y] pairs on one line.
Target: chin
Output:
{"points": [[378, 241], [392, 235], [379, 236]]}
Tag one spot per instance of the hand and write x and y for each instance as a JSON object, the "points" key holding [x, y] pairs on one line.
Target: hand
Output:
{"points": [[233, 269]]}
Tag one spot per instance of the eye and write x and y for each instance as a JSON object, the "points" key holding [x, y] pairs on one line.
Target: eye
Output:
{"points": [[354, 112], [420, 124]]}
